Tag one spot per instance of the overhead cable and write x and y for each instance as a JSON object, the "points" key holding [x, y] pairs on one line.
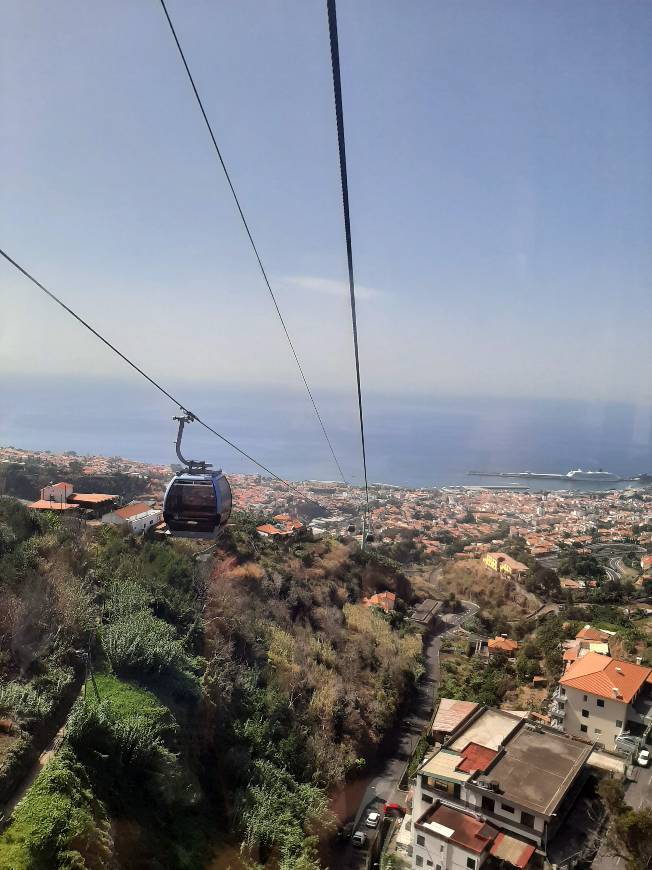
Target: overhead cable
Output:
{"points": [[250, 237], [337, 89]]}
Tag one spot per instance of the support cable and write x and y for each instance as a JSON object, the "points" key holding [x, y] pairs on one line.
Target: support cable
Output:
{"points": [[250, 237], [337, 89]]}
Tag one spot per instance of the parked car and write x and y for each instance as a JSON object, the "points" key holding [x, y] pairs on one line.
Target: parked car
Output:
{"points": [[344, 833], [372, 820], [359, 839], [643, 758], [394, 810]]}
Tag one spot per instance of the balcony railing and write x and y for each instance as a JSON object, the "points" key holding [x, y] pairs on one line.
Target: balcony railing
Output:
{"points": [[557, 709]]}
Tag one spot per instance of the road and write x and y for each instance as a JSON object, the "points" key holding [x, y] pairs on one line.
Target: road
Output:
{"points": [[384, 786], [637, 795]]}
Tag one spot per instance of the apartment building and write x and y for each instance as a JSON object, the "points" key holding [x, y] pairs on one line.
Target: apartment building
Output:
{"points": [[446, 838], [600, 699], [519, 777], [504, 564]]}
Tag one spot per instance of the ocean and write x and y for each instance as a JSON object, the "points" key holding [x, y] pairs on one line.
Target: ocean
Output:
{"points": [[413, 441]]}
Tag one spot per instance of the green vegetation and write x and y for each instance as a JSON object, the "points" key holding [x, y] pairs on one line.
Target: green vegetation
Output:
{"points": [[227, 697], [465, 681], [59, 824]]}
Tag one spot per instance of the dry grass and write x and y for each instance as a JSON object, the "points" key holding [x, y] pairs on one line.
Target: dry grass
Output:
{"points": [[494, 593]]}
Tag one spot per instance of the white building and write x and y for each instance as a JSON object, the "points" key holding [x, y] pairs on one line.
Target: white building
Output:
{"points": [[59, 493], [137, 517], [520, 777], [600, 698], [445, 838]]}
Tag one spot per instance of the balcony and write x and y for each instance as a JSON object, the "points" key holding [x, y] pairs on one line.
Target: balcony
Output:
{"points": [[559, 694], [557, 710]]}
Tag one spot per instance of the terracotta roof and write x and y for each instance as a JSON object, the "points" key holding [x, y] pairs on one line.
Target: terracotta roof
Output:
{"points": [[46, 505], [503, 644], [515, 852], [132, 510], [452, 713], [91, 497], [601, 675], [476, 757], [267, 529], [467, 831], [590, 633], [386, 600]]}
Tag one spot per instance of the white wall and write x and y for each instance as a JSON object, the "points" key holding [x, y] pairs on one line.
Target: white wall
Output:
{"points": [[59, 494], [142, 522], [438, 852], [601, 722]]}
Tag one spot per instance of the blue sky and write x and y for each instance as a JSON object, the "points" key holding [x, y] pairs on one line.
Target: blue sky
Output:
{"points": [[501, 193]]}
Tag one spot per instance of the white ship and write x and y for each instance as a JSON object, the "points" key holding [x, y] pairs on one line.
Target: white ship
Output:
{"points": [[597, 476]]}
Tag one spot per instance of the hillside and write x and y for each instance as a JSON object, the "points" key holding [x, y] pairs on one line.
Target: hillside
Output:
{"points": [[223, 698]]}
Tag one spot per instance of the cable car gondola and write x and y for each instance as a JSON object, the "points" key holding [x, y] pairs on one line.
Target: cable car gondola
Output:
{"points": [[197, 502]]}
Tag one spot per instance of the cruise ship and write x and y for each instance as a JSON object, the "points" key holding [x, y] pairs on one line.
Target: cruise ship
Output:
{"points": [[597, 476]]}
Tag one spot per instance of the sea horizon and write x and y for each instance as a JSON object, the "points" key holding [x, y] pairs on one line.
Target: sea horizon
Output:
{"points": [[434, 441]]}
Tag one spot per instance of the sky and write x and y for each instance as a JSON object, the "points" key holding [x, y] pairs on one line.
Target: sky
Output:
{"points": [[500, 189]]}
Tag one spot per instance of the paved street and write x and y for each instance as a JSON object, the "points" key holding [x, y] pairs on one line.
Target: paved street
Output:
{"points": [[384, 786]]}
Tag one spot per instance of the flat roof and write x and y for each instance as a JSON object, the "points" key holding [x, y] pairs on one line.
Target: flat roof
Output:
{"points": [[459, 827], [537, 768], [490, 729], [442, 765]]}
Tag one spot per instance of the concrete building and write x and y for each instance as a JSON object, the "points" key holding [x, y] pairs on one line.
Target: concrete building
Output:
{"points": [[136, 517], [521, 777], [504, 564], [601, 699]]}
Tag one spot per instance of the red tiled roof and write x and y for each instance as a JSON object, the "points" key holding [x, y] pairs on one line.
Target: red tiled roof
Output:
{"points": [[503, 644], [475, 757], [590, 633], [46, 505], [386, 600], [601, 675], [91, 497], [469, 832], [268, 529]]}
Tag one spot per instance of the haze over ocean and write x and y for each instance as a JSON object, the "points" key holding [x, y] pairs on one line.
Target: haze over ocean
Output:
{"points": [[414, 441]]}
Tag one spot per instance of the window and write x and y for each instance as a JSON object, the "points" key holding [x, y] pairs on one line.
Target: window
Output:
{"points": [[506, 808], [585, 714], [470, 863], [585, 697], [427, 798], [597, 730], [527, 819], [421, 840], [583, 729], [428, 863], [488, 804], [419, 861], [599, 703], [619, 723]]}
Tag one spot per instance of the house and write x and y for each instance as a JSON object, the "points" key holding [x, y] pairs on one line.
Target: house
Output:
{"points": [[385, 600], [137, 517], [501, 644], [504, 564], [521, 777], [588, 639], [425, 613], [600, 698], [60, 497], [282, 525]]}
